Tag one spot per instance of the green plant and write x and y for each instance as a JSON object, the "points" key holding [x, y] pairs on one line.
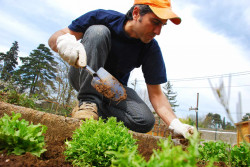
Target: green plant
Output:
{"points": [[19, 137], [168, 155], [127, 158], [240, 156], [219, 151], [13, 97], [175, 156], [92, 141], [188, 121]]}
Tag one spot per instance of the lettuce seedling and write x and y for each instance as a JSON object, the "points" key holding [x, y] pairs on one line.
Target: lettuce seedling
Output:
{"points": [[93, 141], [168, 155], [19, 137], [240, 155]]}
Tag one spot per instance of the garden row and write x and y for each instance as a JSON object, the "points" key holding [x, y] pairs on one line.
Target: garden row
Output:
{"points": [[109, 143]]}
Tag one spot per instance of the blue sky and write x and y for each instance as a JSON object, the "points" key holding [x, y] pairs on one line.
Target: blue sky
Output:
{"points": [[213, 39], [228, 17]]}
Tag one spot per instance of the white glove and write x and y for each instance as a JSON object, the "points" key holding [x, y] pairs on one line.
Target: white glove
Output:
{"points": [[179, 128], [71, 50]]}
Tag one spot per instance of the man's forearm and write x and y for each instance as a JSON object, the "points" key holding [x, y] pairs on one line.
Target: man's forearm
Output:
{"points": [[160, 103], [163, 109], [53, 38]]}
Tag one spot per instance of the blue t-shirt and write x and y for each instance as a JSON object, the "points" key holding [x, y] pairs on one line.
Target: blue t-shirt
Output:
{"points": [[126, 53]]}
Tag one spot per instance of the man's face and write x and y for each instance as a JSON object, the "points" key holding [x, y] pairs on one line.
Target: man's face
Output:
{"points": [[148, 26]]}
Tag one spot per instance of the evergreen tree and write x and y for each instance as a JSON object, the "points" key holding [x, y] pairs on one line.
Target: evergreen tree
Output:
{"points": [[246, 117], [224, 123], [217, 120], [38, 71], [229, 126], [9, 62], [170, 94]]}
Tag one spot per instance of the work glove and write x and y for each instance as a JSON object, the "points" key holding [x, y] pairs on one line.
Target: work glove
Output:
{"points": [[182, 129], [71, 50]]}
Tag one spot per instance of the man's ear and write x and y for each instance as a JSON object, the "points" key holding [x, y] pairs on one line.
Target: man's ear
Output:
{"points": [[136, 13]]}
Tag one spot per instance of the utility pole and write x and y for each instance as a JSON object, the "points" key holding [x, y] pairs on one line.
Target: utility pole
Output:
{"points": [[196, 110], [134, 84]]}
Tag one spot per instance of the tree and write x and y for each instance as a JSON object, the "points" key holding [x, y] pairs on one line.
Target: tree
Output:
{"points": [[208, 120], [9, 62], [212, 120], [229, 126], [217, 122], [38, 71], [246, 117], [224, 123], [65, 91], [170, 94]]}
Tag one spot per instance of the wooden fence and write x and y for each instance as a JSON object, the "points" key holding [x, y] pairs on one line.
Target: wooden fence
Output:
{"points": [[159, 129]]}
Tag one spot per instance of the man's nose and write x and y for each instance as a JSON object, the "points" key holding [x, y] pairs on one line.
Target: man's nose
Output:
{"points": [[157, 30]]}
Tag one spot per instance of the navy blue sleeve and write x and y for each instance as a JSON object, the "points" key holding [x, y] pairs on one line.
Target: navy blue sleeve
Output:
{"points": [[153, 66]]}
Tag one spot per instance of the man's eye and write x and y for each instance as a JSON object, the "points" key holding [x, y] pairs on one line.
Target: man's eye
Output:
{"points": [[156, 22]]}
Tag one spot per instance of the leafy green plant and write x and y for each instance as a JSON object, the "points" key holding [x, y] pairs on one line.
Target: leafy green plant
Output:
{"points": [[240, 156], [92, 141], [219, 151], [223, 152], [127, 158], [19, 137], [13, 97], [168, 155], [176, 156]]}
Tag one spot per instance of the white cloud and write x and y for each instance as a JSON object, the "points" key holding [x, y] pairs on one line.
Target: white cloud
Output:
{"points": [[192, 50], [79, 7], [198, 50], [26, 30]]}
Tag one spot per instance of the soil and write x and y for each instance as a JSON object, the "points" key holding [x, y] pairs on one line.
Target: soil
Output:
{"points": [[107, 87], [59, 130], [52, 157]]}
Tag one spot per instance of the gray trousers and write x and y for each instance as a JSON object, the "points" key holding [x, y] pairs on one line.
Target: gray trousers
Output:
{"points": [[133, 111]]}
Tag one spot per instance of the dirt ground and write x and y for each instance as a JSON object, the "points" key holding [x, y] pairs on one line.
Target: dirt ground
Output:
{"points": [[59, 130], [52, 157]]}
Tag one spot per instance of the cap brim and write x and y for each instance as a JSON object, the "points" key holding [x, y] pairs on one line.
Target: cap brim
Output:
{"points": [[166, 13]]}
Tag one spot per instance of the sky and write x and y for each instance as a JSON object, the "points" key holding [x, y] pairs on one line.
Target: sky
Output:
{"points": [[211, 44]]}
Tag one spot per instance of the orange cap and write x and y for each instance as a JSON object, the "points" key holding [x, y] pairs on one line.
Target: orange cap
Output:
{"points": [[161, 8]]}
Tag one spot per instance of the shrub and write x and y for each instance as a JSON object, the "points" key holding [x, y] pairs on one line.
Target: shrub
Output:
{"points": [[13, 97]]}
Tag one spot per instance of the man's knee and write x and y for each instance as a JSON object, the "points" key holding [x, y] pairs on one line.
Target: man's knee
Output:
{"points": [[98, 33], [143, 126]]}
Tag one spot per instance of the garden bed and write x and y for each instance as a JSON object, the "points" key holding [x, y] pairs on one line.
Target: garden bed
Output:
{"points": [[59, 129]]}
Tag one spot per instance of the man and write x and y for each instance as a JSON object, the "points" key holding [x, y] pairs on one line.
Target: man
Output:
{"points": [[120, 43]]}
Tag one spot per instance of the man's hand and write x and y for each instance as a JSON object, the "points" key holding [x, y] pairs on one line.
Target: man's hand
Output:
{"points": [[180, 128], [71, 50]]}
